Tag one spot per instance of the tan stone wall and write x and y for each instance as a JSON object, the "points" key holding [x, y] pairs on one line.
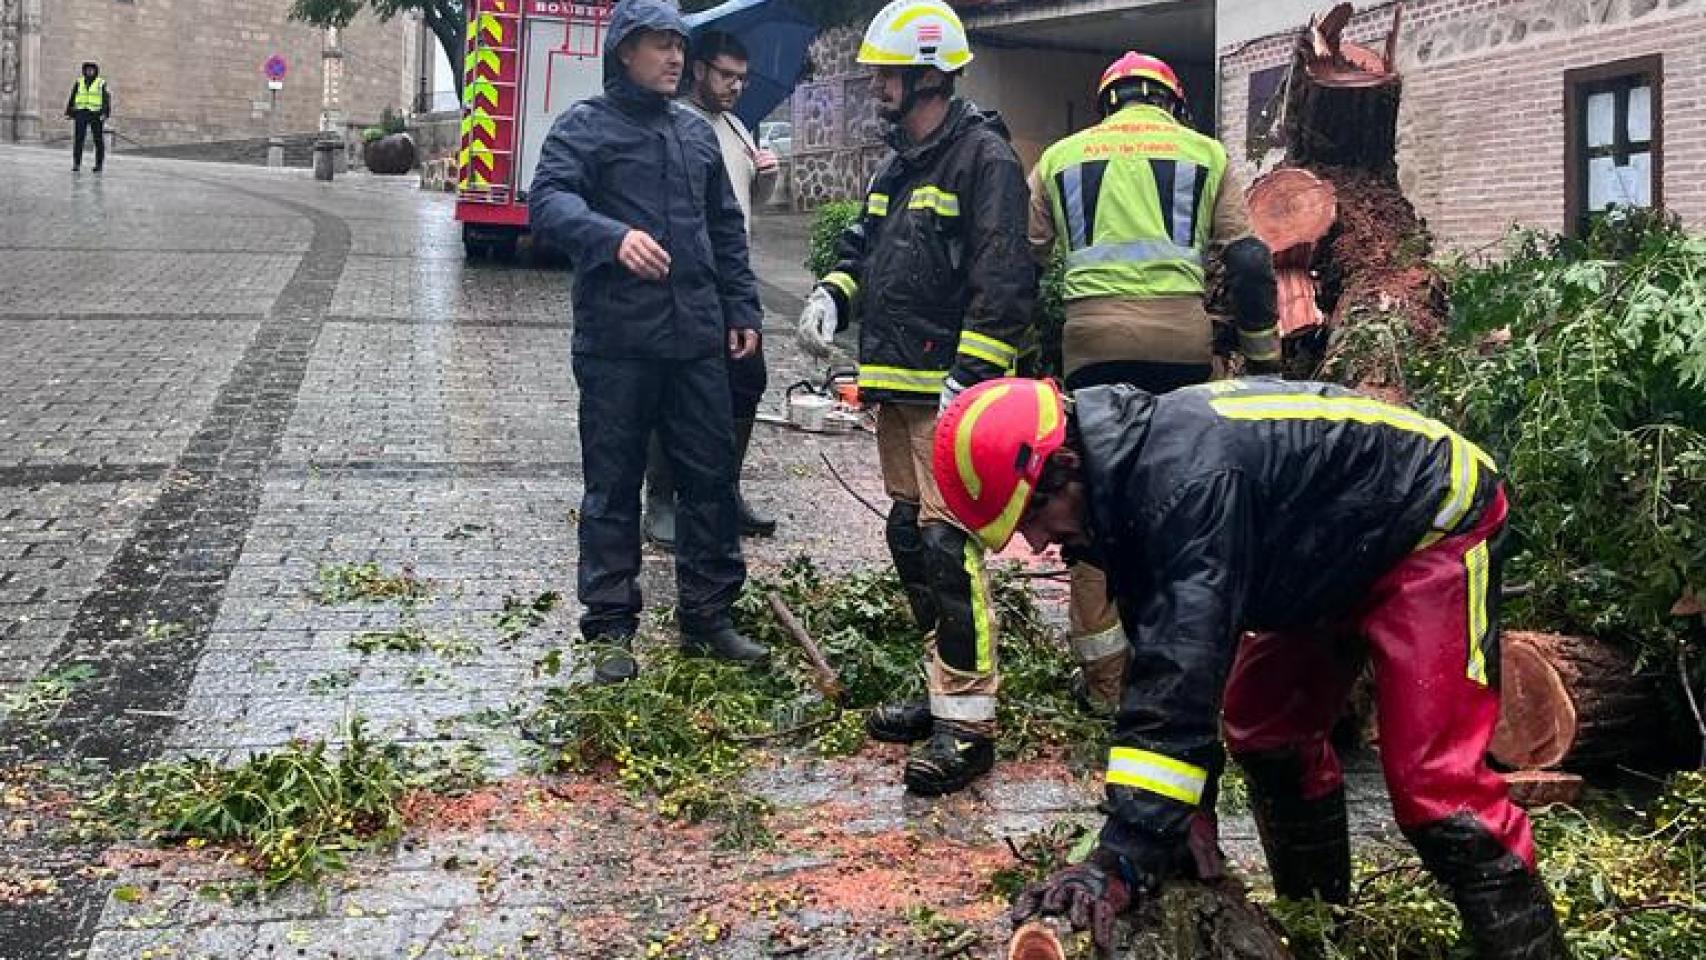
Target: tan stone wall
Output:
{"points": [[190, 70], [1481, 130]]}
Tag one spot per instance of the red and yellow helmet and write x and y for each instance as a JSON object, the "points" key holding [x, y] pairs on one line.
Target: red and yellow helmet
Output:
{"points": [[1138, 66], [991, 445]]}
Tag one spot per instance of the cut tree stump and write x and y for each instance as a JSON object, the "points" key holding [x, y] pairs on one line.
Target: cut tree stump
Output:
{"points": [[1191, 920], [1341, 126], [1571, 702]]}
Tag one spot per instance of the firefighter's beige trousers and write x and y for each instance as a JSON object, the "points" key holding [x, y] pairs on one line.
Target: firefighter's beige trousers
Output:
{"points": [[1098, 641]]}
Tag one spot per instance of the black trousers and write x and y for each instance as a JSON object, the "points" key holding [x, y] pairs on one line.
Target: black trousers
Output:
{"points": [[88, 120], [687, 402], [747, 380]]}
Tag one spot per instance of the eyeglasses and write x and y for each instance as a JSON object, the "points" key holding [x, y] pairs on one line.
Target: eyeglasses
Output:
{"points": [[734, 77]]}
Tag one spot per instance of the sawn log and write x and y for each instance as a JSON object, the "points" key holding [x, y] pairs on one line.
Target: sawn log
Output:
{"points": [[1570, 702]]}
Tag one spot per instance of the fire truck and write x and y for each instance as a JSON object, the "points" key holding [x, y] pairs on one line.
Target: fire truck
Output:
{"points": [[526, 62]]}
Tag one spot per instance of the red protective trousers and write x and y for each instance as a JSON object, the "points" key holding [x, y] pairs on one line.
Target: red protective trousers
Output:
{"points": [[1431, 625]]}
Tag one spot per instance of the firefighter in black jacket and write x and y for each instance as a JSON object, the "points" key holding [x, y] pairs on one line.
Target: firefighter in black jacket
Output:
{"points": [[89, 107], [943, 281], [1335, 526]]}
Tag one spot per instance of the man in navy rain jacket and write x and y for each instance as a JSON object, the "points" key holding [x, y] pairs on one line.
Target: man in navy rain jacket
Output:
{"points": [[632, 186]]}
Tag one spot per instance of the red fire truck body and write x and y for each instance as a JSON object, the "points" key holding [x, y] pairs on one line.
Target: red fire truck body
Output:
{"points": [[526, 62]]}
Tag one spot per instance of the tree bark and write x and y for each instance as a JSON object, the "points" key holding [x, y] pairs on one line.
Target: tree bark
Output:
{"points": [[1570, 702], [1190, 920]]}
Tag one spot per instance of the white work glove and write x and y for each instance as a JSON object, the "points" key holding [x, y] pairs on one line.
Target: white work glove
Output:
{"points": [[818, 323], [951, 388]]}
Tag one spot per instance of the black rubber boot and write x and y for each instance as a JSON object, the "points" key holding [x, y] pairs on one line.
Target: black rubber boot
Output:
{"points": [[1506, 909], [612, 658], [949, 761], [724, 643], [907, 722], [752, 523], [906, 546], [660, 497], [1307, 842]]}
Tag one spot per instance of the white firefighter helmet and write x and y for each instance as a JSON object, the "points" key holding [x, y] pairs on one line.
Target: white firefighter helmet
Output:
{"points": [[917, 33]]}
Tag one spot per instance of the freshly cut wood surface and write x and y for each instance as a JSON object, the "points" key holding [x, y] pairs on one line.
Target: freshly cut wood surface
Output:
{"points": [[1571, 702]]}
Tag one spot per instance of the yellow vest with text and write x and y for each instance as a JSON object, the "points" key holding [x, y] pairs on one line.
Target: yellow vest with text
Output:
{"points": [[90, 96], [1133, 201]]}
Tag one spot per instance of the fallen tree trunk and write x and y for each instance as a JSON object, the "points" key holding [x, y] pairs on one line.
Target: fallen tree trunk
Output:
{"points": [[1191, 920], [1571, 702]]}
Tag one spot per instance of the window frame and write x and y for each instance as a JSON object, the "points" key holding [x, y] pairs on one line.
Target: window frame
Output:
{"points": [[1583, 82]]}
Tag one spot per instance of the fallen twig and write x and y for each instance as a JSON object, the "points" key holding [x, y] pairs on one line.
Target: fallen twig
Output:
{"points": [[1057, 573], [785, 732], [828, 681], [1693, 702]]}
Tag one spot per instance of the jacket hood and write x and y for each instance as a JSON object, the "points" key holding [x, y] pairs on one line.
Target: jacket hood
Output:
{"points": [[1113, 426], [629, 17], [963, 117]]}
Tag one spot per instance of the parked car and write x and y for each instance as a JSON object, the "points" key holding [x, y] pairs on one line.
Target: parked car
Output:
{"points": [[776, 136]]}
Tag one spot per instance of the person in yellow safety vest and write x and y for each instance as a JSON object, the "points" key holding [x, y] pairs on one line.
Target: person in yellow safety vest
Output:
{"points": [[89, 107], [938, 270], [1137, 205]]}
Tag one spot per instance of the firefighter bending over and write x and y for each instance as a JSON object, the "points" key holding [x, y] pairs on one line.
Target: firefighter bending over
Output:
{"points": [[1335, 526]]}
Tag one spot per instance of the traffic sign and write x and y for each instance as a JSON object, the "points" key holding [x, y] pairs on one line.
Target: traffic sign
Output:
{"points": [[276, 68]]}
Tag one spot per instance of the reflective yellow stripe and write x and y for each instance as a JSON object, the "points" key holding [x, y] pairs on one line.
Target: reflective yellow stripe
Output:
{"points": [[936, 199], [969, 477], [922, 10], [1475, 564], [905, 381], [988, 349], [844, 282], [1093, 647], [982, 619], [869, 53], [877, 204], [1048, 415], [1000, 530], [974, 708], [1260, 345], [1465, 456], [1174, 779]]}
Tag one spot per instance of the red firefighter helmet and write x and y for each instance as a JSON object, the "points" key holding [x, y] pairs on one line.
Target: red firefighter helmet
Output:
{"points": [[991, 445], [1137, 66]]}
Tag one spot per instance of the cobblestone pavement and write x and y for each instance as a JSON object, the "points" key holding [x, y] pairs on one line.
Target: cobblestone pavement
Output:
{"points": [[219, 379]]}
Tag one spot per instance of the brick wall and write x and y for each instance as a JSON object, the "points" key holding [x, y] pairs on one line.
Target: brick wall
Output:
{"points": [[190, 70], [1481, 129]]}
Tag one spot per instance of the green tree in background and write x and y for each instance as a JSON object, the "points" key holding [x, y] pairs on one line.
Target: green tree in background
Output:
{"points": [[447, 19]]}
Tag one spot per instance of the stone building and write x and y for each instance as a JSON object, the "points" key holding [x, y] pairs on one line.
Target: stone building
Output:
{"points": [[1037, 62], [190, 71], [1536, 112]]}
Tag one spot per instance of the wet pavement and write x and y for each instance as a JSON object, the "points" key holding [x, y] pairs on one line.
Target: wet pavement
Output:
{"points": [[217, 380]]}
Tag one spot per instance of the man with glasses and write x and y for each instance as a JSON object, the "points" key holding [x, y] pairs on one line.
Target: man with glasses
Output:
{"points": [[719, 75]]}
